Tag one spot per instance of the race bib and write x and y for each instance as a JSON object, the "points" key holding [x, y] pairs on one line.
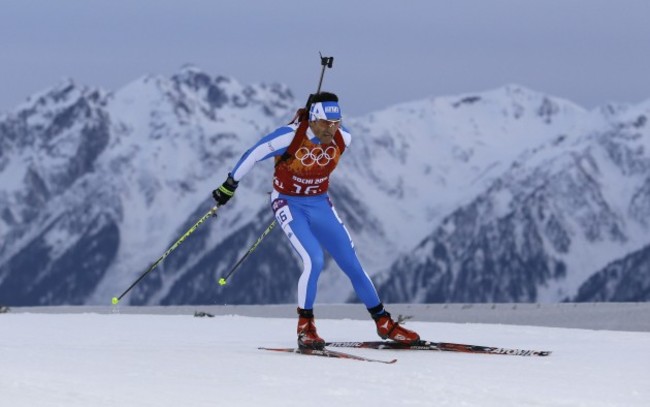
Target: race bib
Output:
{"points": [[282, 212]]}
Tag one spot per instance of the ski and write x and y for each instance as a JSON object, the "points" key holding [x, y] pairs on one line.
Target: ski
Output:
{"points": [[439, 346], [329, 354]]}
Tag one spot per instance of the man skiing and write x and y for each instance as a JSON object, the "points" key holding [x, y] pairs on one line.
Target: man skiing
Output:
{"points": [[306, 152]]}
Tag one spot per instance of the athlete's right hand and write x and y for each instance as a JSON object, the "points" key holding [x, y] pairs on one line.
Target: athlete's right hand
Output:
{"points": [[226, 191]]}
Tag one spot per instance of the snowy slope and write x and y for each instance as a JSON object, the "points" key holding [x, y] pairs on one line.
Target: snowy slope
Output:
{"points": [[170, 178], [96, 185], [415, 163], [628, 277], [562, 210], [146, 360], [429, 156], [158, 147]]}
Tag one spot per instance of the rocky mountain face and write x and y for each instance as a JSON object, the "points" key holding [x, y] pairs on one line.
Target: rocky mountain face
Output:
{"points": [[626, 279], [544, 229], [95, 185], [506, 195]]}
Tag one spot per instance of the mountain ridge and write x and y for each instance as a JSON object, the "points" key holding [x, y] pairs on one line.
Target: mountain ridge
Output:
{"points": [[118, 176]]}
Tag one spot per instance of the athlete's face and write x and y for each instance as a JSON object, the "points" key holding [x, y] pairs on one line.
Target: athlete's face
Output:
{"points": [[325, 129]]}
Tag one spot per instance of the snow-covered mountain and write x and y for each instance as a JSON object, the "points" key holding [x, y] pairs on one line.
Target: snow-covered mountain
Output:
{"points": [[561, 212], [502, 195], [96, 185], [623, 280]]}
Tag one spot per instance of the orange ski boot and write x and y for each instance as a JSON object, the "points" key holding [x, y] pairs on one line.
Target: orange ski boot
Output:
{"points": [[307, 335], [389, 329]]}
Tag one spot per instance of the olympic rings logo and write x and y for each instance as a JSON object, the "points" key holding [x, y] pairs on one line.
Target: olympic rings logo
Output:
{"points": [[316, 156]]}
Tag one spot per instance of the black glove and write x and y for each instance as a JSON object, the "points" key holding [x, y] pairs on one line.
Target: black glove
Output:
{"points": [[226, 191]]}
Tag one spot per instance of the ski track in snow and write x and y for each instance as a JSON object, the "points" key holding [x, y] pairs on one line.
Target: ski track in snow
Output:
{"points": [[177, 360]]}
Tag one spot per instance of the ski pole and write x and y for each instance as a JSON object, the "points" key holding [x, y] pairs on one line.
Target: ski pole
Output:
{"points": [[212, 212], [224, 280]]}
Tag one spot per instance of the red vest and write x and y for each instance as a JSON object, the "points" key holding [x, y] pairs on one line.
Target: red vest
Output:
{"points": [[307, 169]]}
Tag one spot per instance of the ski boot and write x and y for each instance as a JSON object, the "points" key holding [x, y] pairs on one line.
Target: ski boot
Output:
{"points": [[307, 335], [389, 329]]}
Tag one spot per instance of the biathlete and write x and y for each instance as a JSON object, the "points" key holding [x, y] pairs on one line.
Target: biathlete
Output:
{"points": [[306, 152]]}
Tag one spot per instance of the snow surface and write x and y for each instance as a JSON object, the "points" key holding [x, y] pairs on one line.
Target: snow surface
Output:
{"points": [[117, 359]]}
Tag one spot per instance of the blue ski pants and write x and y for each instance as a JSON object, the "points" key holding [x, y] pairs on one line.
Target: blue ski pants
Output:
{"points": [[312, 224]]}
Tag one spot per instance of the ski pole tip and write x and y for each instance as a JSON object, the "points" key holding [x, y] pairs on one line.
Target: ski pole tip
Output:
{"points": [[115, 300], [222, 281]]}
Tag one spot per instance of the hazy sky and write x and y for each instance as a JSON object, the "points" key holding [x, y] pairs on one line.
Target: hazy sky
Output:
{"points": [[386, 52]]}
